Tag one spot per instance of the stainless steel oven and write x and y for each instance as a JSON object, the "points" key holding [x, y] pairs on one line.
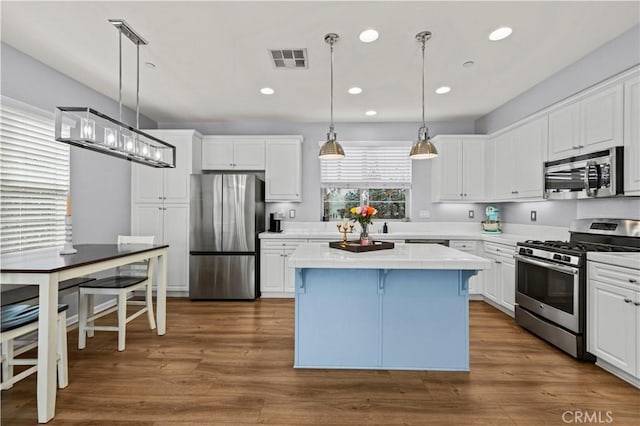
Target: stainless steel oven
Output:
{"points": [[598, 174], [549, 290], [551, 280]]}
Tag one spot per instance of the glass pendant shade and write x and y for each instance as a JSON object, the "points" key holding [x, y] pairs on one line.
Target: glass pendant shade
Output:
{"points": [[90, 129]]}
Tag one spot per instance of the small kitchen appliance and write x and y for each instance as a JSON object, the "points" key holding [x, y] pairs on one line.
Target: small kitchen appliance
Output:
{"points": [[275, 223], [492, 223], [551, 280]]}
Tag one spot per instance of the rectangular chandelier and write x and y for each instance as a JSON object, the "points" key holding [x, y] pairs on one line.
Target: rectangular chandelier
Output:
{"points": [[87, 128]]}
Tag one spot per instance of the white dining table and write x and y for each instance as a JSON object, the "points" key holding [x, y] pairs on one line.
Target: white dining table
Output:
{"points": [[45, 268]]}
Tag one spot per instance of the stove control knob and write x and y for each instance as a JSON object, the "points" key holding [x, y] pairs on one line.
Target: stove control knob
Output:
{"points": [[566, 258], [523, 250], [557, 257], [529, 251]]}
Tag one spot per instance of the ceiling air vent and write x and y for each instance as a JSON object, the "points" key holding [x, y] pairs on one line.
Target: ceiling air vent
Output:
{"points": [[289, 58]]}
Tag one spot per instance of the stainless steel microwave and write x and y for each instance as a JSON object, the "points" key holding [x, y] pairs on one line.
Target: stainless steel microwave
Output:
{"points": [[598, 174]]}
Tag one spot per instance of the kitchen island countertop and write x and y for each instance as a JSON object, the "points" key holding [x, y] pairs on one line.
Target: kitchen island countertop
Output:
{"points": [[402, 256]]}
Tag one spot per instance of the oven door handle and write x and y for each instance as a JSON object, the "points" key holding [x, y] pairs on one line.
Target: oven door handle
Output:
{"points": [[559, 268]]}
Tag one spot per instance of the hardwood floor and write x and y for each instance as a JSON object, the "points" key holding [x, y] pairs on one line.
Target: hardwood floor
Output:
{"points": [[231, 363]]}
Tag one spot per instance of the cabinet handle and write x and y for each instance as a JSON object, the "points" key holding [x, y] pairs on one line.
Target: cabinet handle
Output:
{"points": [[627, 300], [461, 194], [465, 195], [497, 261], [159, 198], [497, 249], [633, 280], [636, 303]]}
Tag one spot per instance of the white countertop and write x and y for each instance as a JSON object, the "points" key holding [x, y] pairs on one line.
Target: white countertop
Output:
{"points": [[626, 260], [402, 256]]}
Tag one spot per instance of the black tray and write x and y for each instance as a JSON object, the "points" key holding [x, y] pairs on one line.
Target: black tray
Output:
{"points": [[356, 247]]}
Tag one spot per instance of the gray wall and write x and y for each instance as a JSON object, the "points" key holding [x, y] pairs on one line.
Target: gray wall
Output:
{"points": [[100, 185], [610, 59], [310, 208]]}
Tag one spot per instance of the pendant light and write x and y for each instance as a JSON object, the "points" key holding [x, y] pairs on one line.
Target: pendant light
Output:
{"points": [[423, 148], [87, 128], [331, 149]]}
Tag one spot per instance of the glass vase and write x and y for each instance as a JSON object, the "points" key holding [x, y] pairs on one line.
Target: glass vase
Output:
{"points": [[365, 239]]}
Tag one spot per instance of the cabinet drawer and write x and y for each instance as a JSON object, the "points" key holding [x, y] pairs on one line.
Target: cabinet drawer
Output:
{"points": [[614, 275], [502, 250], [463, 245], [281, 244]]}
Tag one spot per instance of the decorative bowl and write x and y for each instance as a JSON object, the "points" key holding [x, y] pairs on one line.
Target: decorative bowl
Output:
{"points": [[490, 226]]}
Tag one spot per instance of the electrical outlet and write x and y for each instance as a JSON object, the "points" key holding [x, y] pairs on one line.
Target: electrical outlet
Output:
{"points": [[471, 214], [534, 216], [292, 213], [425, 214]]}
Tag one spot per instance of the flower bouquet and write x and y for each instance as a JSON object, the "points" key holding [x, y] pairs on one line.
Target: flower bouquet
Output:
{"points": [[363, 215]]}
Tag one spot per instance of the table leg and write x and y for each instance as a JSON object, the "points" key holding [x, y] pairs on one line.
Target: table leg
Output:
{"points": [[161, 294], [47, 338]]}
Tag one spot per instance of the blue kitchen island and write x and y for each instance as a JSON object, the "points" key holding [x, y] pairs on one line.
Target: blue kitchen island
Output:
{"points": [[401, 309]]}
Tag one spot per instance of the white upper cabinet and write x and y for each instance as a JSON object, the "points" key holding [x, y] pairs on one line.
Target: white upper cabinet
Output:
{"points": [[518, 157], [564, 131], [165, 185], [459, 170], [632, 136], [233, 153], [592, 123], [283, 169]]}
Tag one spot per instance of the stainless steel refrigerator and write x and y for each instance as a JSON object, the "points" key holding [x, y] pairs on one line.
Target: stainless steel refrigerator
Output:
{"points": [[227, 213]]}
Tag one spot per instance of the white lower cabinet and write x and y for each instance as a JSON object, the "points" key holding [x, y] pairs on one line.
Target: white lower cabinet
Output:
{"points": [[170, 225], [276, 279], [613, 319], [476, 283], [500, 279]]}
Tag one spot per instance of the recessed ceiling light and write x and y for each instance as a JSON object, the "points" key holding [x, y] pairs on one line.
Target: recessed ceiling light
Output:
{"points": [[355, 90], [371, 113], [500, 34], [442, 90], [468, 64], [150, 65], [367, 36], [267, 91]]}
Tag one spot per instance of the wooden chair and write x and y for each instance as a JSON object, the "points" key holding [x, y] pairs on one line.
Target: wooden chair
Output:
{"points": [[134, 277], [20, 320]]}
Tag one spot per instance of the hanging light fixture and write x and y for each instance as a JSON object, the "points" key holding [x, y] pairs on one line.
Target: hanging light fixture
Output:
{"points": [[423, 148], [331, 149], [87, 128]]}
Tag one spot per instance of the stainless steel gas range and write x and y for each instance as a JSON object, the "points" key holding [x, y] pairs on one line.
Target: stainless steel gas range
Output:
{"points": [[551, 278]]}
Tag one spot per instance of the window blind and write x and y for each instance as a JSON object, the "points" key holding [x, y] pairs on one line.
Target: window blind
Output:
{"points": [[369, 164], [34, 179]]}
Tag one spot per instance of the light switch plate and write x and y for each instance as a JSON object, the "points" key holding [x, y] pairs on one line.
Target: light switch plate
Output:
{"points": [[534, 216], [292, 213], [471, 214]]}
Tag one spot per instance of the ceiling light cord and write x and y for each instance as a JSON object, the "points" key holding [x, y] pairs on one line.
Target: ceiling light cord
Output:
{"points": [[120, 73], [331, 127], [423, 131]]}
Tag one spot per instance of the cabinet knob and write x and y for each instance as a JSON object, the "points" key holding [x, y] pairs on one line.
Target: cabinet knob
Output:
{"points": [[159, 198], [636, 303], [627, 300], [633, 280], [465, 195]]}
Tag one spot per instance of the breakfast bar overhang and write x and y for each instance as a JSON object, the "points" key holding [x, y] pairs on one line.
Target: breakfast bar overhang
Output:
{"points": [[399, 309]]}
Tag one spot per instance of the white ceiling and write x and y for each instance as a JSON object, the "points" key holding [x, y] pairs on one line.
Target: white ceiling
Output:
{"points": [[212, 57]]}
